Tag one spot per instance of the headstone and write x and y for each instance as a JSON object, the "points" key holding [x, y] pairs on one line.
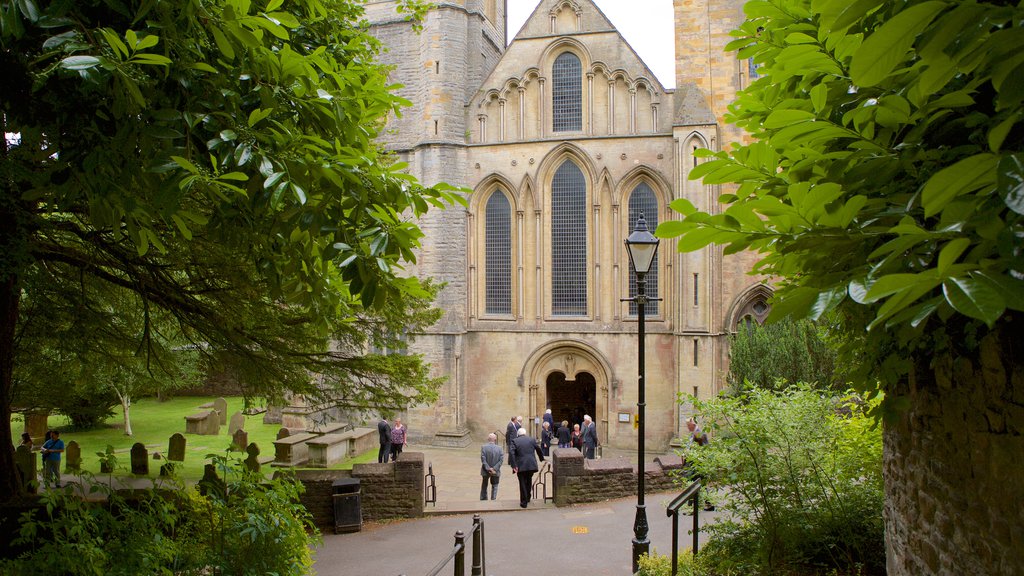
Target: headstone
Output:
{"points": [[239, 440], [283, 433], [36, 425], [72, 457], [221, 406], [176, 448], [211, 424], [237, 423], [252, 462], [140, 459], [210, 484], [25, 462]]}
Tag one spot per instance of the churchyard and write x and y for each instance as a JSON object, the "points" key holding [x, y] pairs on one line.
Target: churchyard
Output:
{"points": [[155, 422]]}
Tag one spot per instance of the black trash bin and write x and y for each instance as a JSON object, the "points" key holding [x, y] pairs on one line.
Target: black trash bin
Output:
{"points": [[348, 512]]}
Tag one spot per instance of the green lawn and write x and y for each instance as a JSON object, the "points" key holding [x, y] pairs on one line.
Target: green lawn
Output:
{"points": [[154, 422]]}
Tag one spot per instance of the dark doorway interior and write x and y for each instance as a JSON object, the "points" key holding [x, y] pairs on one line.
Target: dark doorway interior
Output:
{"points": [[571, 399]]}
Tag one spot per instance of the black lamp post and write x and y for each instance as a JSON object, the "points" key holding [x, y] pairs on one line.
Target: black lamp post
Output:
{"points": [[641, 246]]}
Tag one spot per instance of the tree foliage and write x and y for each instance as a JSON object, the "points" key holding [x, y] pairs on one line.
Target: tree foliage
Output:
{"points": [[210, 165], [885, 179], [801, 479], [775, 355]]}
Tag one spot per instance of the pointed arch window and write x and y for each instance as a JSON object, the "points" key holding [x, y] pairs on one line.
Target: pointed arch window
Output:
{"points": [[567, 93], [498, 254], [643, 201], [569, 241]]}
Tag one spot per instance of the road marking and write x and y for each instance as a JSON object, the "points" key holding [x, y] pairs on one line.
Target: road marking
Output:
{"points": [[580, 530]]}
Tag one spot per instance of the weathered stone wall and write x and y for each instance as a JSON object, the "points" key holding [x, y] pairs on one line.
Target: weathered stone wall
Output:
{"points": [[580, 481], [393, 490], [954, 487]]}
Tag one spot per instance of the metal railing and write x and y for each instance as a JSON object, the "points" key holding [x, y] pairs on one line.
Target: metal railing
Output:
{"points": [[540, 482], [430, 486], [458, 552], [692, 493]]}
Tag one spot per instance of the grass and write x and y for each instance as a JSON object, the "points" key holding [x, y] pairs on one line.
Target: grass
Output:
{"points": [[153, 424]]}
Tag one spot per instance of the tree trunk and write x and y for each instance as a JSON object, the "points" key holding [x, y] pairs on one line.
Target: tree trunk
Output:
{"points": [[126, 406], [10, 293], [953, 477]]}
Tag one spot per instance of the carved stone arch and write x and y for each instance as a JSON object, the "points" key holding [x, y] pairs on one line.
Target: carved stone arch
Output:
{"points": [[605, 188], [696, 135], [571, 5], [528, 192], [753, 302], [620, 74], [642, 83], [571, 357], [560, 45], [532, 73], [487, 185], [553, 159], [510, 85], [659, 185]]}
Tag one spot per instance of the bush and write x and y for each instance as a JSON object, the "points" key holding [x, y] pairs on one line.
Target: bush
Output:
{"points": [[801, 478], [251, 527]]}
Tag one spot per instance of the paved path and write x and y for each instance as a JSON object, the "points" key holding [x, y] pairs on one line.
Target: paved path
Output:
{"points": [[592, 539]]}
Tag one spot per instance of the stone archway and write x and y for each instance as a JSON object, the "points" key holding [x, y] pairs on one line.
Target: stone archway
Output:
{"points": [[565, 370]]}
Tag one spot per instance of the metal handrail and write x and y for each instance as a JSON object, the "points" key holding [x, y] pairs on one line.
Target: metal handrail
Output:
{"points": [[692, 492], [458, 552], [540, 481], [430, 486]]}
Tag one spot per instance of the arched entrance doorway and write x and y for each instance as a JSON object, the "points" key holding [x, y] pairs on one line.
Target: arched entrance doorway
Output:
{"points": [[569, 400]]}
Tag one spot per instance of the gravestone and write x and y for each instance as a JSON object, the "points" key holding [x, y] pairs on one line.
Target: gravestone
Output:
{"points": [[176, 448], [210, 483], [140, 459], [221, 406], [239, 440], [283, 433], [252, 462], [72, 457], [237, 423], [25, 462]]}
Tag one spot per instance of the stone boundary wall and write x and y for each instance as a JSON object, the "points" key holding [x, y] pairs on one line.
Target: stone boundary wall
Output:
{"points": [[391, 490], [580, 481]]}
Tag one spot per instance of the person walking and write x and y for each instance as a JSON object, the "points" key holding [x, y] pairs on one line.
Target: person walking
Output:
{"points": [[384, 430], [490, 466], [397, 439], [525, 449], [511, 432], [26, 441], [550, 420], [564, 435], [51, 451], [590, 441]]}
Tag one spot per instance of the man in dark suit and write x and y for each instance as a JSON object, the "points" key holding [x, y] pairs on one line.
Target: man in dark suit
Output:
{"points": [[511, 431], [524, 447], [589, 437], [490, 466], [384, 430]]}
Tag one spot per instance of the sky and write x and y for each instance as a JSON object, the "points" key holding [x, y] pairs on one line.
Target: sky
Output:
{"points": [[645, 24]]}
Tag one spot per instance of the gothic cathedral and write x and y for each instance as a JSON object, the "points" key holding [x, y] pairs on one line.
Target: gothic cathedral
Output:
{"points": [[565, 137]]}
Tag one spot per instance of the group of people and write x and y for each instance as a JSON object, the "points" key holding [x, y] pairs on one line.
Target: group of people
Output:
{"points": [[582, 438], [392, 439], [51, 450]]}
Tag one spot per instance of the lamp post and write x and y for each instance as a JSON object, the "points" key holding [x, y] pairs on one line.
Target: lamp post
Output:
{"points": [[641, 247]]}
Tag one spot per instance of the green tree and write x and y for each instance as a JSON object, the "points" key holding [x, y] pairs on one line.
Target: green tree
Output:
{"points": [[801, 478], [785, 352], [213, 161], [885, 182]]}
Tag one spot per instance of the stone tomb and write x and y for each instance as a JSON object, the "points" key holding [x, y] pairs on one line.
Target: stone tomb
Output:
{"points": [[221, 406], [332, 428], [25, 462], [140, 459], [176, 448], [72, 457], [203, 423], [328, 449], [237, 423], [293, 450], [362, 439]]}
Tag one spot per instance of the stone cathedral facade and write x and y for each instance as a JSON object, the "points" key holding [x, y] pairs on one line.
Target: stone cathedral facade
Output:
{"points": [[565, 137]]}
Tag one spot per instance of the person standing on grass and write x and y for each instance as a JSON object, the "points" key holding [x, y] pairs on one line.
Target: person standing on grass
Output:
{"points": [[384, 430], [397, 439], [51, 451]]}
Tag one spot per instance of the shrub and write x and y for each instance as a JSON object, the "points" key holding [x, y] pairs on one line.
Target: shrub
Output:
{"points": [[253, 527], [801, 478]]}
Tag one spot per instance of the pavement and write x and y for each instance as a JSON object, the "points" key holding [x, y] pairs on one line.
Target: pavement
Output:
{"points": [[592, 539]]}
